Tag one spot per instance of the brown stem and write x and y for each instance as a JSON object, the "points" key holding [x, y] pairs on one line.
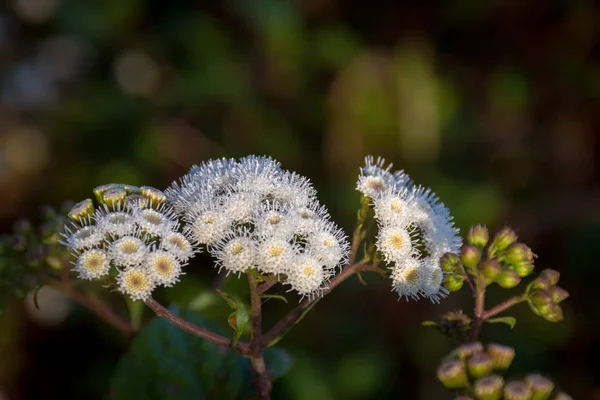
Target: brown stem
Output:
{"points": [[187, 326], [96, 306], [479, 307], [506, 304], [294, 316], [262, 379]]}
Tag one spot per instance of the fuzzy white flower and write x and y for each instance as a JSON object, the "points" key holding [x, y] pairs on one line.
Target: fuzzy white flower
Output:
{"points": [[115, 223], [275, 256], [328, 244], [155, 221], [208, 227], [408, 279], [307, 276], [128, 251], [394, 243], [432, 287], [178, 245], [82, 237], [137, 283], [236, 252], [92, 264], [375, 179], [164, 268]]}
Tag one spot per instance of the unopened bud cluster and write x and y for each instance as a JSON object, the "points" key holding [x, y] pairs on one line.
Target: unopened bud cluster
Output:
{"points": [[475, 372], [29, 250], [544, 295], [129, 235], [415, 230]]}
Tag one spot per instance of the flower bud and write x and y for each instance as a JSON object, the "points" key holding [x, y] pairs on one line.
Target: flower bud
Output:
{"points": [[502, 356], [452, 374], [540, 386], [453, 282], [517, 390], [470, 256], [508, 279], [518, 252], [552, 276], [523, 268], [540, 283], [450, 262], [558, 294], [479, 364], [466, 350], [489, 387], [130, 189], [99, 190], [504, 238], [562, 396], [540, 298], [82, 210], [478, 236], [553, 313], [155, 196], [491, 269], [113, 196]]}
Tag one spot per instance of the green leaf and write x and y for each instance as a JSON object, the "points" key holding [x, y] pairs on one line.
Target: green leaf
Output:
{"points": [[274, 296], [239, 319], [510, 321], [165, 362]]}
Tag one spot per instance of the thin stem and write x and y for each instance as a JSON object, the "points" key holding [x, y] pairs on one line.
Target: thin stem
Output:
{"points": [[506, 304], [187, 326], [262, 379], [479, 307], [294, 316]]}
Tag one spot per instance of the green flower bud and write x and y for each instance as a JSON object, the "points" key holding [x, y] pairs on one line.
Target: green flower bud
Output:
{"points": [[558, 294], [540, 283], [491, 269], [467, 350], [502, 356], [479, 364], [552, 276], [518, 252], [508, 279], [478, 236], [452, 374], [562, 396], [130, 189], [99, 190], [540, 386], [155, 196], [82, 210], [517, 390], [450, 262], [113, 196], [470, 256], [540, 298], [453, 282], [504, 238], [489, 387], [523, 268], [553, 313]]}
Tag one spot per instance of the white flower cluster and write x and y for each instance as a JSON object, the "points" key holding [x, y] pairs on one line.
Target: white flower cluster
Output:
{"points": [[252, 214], [142, 243], [415, 230]]}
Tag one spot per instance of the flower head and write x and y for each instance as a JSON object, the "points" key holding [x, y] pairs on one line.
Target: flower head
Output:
{"points": [[136, 282], [92, 264]]}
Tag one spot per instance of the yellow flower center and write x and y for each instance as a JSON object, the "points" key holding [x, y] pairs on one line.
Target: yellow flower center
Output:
{"points": [[397, 241], [275, 251], [274, 219], [129, 247], [236, 249]]}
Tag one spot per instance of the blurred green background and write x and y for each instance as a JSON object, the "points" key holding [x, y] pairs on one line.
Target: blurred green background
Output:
{"points": [[495, 105]]}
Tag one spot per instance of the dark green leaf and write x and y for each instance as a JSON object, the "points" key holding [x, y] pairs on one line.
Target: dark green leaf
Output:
{"points": [[510, 321], [274, 296], [239, 319]]}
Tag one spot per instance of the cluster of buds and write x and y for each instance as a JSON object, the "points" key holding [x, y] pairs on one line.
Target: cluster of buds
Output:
{"points": [[544, 295], [475, 372], [503, 260], [414, 230], [130, 237], [28, 251]]}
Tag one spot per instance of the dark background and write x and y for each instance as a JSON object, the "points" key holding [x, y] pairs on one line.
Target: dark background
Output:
{"points": [[492, 104]]}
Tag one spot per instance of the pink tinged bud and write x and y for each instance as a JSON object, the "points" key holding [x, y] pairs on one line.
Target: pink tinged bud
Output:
{"points": [[467, 350], [508, 279], [553, 313], [450, 262], [562, 396], [523, 268], [489, 387], [540, 386], [491, 269], [540, 298], [452, 374], [504, 238], [517, 390], [541, 282], [155, 196], [470, 256], [478, 236], [552, 276], [479, 364], [82, 210], [453, 282], [558, 294], [502, 356]]}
